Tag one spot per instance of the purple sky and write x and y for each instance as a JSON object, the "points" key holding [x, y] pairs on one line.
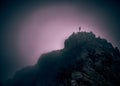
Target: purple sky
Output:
{"points": [[45, 28], [29, 28]]}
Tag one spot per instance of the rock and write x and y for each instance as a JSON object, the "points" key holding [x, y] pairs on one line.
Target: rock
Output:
{"points": [[86, 60]]}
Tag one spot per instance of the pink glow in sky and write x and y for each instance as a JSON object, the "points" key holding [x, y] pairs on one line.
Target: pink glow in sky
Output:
{"points": [[44, 29]]}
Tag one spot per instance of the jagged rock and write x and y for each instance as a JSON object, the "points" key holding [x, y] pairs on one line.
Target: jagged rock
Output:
{"points": [[86, 60]]}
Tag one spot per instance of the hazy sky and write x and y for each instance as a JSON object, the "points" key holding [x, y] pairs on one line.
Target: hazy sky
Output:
{"points": [[30, 28]]}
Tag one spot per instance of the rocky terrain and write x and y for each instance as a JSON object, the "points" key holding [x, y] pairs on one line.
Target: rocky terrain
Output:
{"points": [[86, 60]]}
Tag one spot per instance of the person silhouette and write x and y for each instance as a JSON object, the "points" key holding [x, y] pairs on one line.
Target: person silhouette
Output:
{"points": [[79, 29]]}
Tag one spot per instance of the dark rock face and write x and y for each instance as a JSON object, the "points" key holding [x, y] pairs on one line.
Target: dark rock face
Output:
{"points": [[86, 60]]}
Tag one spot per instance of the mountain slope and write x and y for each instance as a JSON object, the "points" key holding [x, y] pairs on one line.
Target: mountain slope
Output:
{"points": [[86, 60]]}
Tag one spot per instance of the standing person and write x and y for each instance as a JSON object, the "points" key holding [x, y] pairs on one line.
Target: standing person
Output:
{"points": [[79, 29]]}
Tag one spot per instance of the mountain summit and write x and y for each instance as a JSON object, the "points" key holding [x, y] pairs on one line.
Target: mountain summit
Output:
{"points": [[86, 60]]}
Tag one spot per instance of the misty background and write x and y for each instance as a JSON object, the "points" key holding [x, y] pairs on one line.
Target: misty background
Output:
{"points": [[30, 28]]}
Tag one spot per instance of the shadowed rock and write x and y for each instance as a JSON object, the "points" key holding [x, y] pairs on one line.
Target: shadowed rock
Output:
{"points": [[86, 60]]}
